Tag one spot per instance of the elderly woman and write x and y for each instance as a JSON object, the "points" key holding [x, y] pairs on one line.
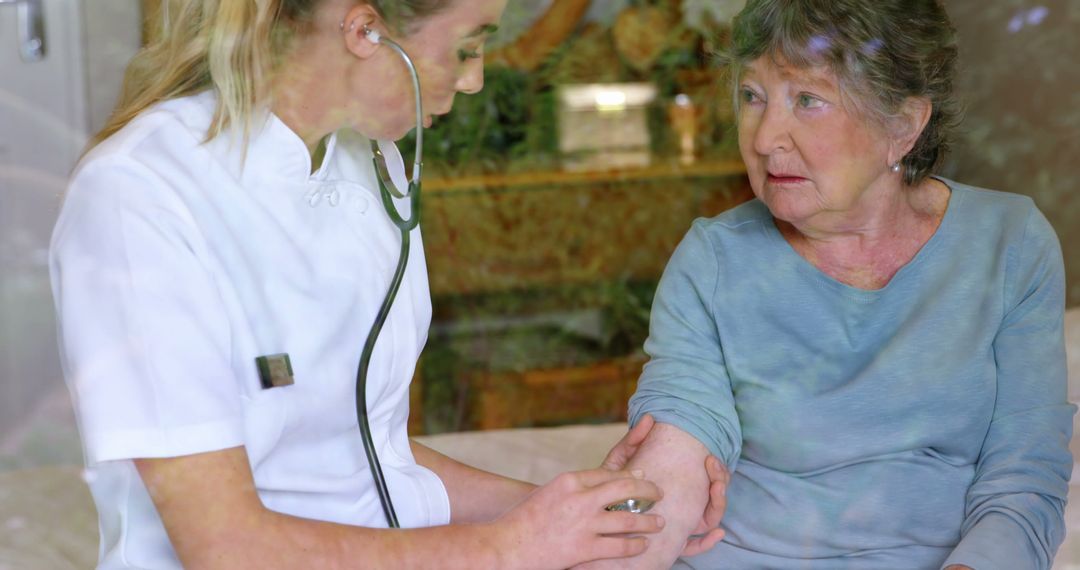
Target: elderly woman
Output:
{"points": [[874, 351]]}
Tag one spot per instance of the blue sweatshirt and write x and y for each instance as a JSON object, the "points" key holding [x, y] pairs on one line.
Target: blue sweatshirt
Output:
{"points": [[922, 424]]}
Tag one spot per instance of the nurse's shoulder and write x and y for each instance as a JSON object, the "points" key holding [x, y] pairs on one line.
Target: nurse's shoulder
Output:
{"points": [[171, 129], [138, 173], [145, 161]]}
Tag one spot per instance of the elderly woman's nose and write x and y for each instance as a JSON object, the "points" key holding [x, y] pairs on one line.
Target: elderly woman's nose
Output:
{"points": [[772, 134]]}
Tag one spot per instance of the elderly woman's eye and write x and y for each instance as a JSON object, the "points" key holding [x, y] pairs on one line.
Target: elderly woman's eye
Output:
{"points": [[747, 96], [809, 101]]}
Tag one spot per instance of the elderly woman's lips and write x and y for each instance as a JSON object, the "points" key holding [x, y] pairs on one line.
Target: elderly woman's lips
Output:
{"points": [[784, 179]]}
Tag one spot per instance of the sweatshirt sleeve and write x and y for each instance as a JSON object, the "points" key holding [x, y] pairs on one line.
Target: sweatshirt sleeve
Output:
{"points": [[685, 383], [1014, 514]]}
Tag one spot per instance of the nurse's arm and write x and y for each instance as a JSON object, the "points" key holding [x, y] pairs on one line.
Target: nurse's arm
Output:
{"points": [[475, 495], [673, 459], [215, 519], [480, 496]]}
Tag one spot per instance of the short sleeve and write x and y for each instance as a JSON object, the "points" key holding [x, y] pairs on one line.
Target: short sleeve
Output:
{"points": [[144, 334], [685, 383]]}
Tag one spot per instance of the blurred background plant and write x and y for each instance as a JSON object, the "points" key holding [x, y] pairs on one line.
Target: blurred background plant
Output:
{"points": [[511, 125]]}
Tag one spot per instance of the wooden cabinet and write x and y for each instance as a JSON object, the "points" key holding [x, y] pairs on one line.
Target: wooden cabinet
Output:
{"points": [[488, 234], [509, 252]]}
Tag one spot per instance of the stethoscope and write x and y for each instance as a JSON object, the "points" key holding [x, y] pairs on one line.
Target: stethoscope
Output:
{"points": [[387, 192], [386, 188]]}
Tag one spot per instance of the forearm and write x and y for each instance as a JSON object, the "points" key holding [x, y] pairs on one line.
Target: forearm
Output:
{"points": [[475, 495], [216, 519], [674, 460], [290, 542]]}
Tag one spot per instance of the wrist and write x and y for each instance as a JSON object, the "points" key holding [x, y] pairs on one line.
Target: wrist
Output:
{"points": [[497, 543]]}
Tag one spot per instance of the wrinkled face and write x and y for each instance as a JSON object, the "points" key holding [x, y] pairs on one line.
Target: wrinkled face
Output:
{"points": [[448, 52], [809, 158]]}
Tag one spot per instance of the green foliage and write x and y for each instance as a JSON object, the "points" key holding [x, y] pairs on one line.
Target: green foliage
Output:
{"points": [[511, 119]]}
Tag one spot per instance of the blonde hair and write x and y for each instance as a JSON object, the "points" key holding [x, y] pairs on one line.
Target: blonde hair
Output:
{"points": [[230, 46]]}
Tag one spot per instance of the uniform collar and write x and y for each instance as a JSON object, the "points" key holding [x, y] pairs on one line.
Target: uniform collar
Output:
{"points": [[276, 152]]}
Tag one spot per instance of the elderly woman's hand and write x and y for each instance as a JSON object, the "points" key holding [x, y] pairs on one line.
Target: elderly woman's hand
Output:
{"points": [[708, 531]]}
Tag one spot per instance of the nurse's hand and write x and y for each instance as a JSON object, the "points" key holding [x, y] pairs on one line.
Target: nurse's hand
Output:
{"points": [[707, 533], [564, 523], [620, 455]]}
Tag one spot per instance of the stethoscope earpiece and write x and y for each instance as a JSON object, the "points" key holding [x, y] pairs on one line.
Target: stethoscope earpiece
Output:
{"points": [[371, 34]]}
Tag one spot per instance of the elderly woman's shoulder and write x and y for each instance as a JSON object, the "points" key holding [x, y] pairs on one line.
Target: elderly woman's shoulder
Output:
{"points": [[747, 220], [743, 228], [748, 213], [1014, 216], [986, 204]]}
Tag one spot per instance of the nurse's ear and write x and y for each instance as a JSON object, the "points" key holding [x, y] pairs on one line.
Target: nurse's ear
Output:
{"points": [[354, 26]]}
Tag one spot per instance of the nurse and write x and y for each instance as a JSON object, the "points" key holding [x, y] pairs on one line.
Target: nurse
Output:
{"points": [[229, 211]]}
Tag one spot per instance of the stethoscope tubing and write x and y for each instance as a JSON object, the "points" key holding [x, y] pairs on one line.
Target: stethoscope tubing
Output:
{"points": [[418, 158], [361, 379], [405, 226]]}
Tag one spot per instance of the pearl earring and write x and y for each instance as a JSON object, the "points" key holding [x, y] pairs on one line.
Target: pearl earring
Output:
{"points": [[895, 167]]}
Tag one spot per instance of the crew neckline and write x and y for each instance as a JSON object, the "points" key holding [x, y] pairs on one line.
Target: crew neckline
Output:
{"points": [[927, 249]]}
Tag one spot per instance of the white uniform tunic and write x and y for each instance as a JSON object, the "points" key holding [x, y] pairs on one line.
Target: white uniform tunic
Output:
{"points": [[176, 263]]}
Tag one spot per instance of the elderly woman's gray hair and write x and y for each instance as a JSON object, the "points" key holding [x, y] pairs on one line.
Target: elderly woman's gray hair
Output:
{"points": [[882, 52]]}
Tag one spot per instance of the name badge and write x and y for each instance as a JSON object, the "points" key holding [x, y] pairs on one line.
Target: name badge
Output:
{"points": [[275, 371]]}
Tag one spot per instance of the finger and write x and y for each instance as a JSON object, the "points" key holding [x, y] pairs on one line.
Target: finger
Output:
{"points": [[716, 470], [629, 523], [596, 477], [714, 510], [639, 432], [619, 455], [698, 544], [621, 489], [618, 546]]}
